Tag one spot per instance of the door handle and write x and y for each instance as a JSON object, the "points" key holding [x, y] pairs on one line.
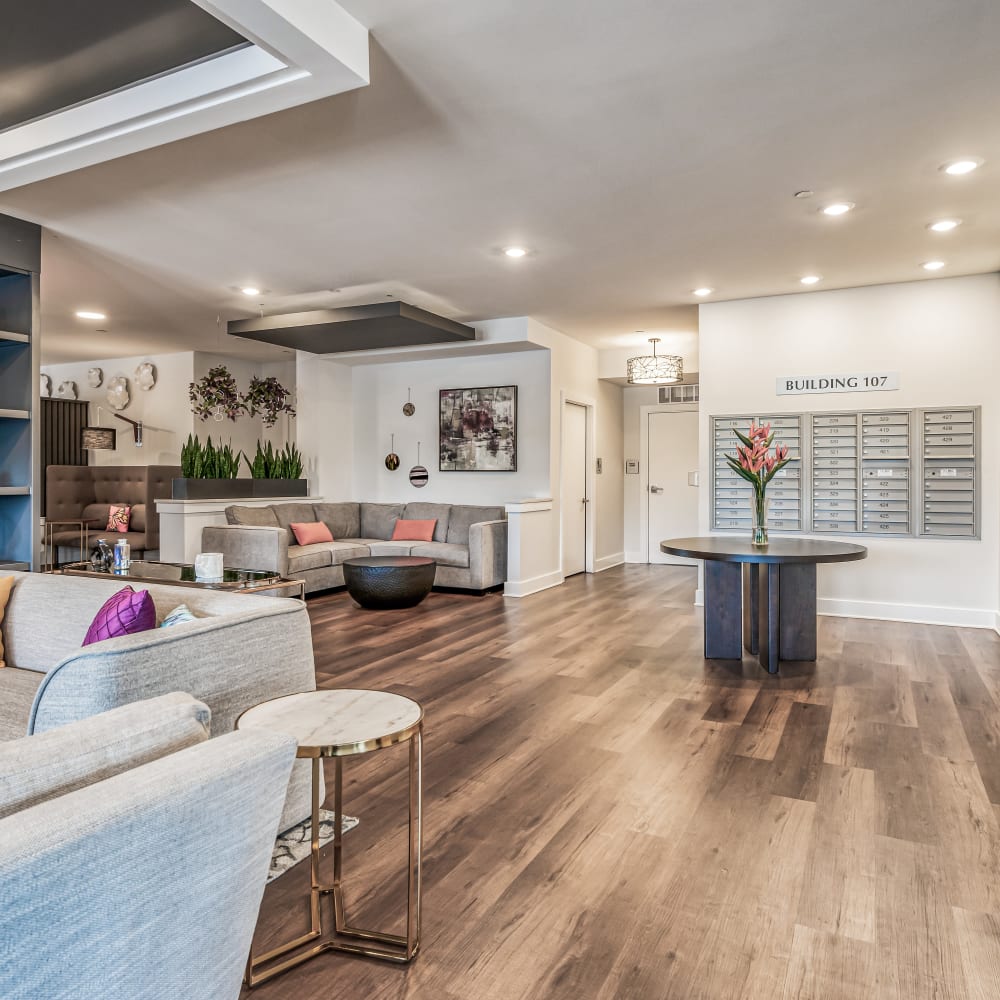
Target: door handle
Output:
{"points": [[585, 500], [655, 489]]}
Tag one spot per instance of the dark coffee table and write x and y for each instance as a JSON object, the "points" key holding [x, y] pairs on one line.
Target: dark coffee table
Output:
{"points": [[380, 582]]}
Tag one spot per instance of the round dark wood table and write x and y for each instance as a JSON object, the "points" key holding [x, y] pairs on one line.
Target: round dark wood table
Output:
{"points": [[381, 582], [761, 599]]}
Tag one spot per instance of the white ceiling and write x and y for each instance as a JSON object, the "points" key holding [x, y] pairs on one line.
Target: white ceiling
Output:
{"points": [[640, 149]]}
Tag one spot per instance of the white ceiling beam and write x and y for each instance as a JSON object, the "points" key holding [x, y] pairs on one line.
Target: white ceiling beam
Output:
{"points": [[301, 51]]}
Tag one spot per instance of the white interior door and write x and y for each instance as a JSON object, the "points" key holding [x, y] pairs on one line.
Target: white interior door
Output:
{"points": [[575, 501], [673, 502]]}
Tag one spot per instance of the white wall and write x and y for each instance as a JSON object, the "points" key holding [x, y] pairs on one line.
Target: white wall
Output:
{"points": [[325, 425], [164, 410], [942, 337], [610, 511], [379, 394]]}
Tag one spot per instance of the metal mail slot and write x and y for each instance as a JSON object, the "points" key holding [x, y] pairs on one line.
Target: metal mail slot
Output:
{"points": [[885, 452], [937, 507], [835, 420], [943, 489], [848, 433], [777, 504], [788, 472], [839, 463], [886, 505], [732, 421], [885, 495], [733, 523], [732, 491], [950, 472], [773, 491], [832, 479], [831, 441], [887, 529], [949, 417], [726, 511], [955, 440], [948, 429], [935, 518], [845, 451], [779, 524], [947, 451], [950, 529], [878, 419], [893, 440], [833, 503], [836, 526], [885, 515], [822, 516], [821, 490], [880, 473], [780, 421]]}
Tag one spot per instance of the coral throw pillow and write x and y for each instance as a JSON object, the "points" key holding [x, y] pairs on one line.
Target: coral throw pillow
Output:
{"points": [[125, 613], [310, 532], [414, 531], [119, 515], [6, 584]]}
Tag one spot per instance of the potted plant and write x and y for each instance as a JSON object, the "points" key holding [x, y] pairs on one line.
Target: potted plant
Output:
{"points": [[277, 473], [208, 472], [216, 395], [267, 397], [754, 462]]}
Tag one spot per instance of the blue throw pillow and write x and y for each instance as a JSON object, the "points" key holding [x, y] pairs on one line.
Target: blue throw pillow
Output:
{"points": [[182, 613]]}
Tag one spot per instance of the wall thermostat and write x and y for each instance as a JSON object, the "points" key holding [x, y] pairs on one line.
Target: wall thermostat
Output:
{"points": [[631, 467]]}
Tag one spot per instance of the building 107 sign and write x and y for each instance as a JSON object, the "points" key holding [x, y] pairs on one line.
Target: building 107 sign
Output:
{"points": [[796, 385]]}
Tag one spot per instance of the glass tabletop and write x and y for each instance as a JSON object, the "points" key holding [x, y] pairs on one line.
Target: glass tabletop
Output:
{"points": [[145, 569]]}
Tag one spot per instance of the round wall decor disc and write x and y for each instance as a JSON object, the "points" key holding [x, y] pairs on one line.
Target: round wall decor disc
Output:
{"points": [[392, 459], [418, 476], [408, 408]]}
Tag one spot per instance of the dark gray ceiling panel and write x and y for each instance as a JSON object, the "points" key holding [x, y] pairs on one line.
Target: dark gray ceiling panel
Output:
{"points": [[358, 328], [57, 53]]}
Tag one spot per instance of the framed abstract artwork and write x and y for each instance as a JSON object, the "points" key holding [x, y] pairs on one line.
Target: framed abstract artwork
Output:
{"points": [[478, 429]]}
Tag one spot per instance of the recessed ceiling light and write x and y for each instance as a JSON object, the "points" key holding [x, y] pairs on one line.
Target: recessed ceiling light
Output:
{"points": [[932, 265], [702, 292], [944, 225], [964, 166], [515, 251], [810, 279], [838, 208], [250, 290], [89, 314]]}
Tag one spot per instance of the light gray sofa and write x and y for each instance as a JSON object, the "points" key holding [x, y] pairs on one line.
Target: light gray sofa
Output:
{"points": [[133, 854], [469, 546], [241, 651]]}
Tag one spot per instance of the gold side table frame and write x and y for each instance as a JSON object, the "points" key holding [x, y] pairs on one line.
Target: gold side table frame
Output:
{"points": [[344, 936]]}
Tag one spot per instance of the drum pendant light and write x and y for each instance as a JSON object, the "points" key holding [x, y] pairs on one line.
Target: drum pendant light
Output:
{"points": [[655, 369]]}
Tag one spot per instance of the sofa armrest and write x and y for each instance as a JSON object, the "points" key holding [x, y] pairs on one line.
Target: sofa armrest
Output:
{"points": [[148, 883], [245, 546], [487, 554]]}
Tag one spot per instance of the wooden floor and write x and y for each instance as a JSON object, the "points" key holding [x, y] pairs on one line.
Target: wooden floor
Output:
{"points": [[608, 815]]}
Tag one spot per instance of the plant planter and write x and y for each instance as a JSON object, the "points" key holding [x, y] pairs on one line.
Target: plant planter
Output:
{"points": [[237, 489]]}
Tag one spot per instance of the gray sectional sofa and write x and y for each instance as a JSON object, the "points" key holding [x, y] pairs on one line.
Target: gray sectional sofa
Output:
{"points": [[469, 546]]}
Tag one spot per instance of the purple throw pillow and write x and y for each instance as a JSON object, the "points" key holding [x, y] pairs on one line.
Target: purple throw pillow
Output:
{"points": [[125, 613]]}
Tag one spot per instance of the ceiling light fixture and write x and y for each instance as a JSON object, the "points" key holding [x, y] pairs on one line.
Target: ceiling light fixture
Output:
{"points": [[837, 208], [515, 251], [944, 225], [959, 167], [250, 290], [89, 314], [655, 369], [702, 292], [810, 279], [932, 265]]}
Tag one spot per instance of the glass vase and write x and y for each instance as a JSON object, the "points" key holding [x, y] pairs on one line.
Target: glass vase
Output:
{"points": [[759, 536]]}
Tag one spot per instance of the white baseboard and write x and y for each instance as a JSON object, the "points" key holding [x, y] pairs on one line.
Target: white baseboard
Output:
{"points": [[699, 598], [607, 562], [636, 557], [996, 623], [522, 588], [924, 614]]}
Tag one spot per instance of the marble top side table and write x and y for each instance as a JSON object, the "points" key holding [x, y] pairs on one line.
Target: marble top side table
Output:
{"points": [[338, 724]]}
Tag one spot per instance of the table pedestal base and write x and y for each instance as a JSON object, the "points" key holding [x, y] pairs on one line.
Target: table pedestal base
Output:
{"points": [[343, 937], [765, 608]]}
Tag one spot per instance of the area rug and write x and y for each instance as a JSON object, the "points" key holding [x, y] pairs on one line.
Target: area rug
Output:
{"points": [[293, 845]]}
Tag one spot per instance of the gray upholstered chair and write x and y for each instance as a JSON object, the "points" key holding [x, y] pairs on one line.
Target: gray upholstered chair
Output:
{"points": [[133, 854]]}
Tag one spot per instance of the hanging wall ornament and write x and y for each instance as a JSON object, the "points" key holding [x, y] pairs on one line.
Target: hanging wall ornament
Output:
{"points": [[392, 459], [408, 408], [418, 474]]}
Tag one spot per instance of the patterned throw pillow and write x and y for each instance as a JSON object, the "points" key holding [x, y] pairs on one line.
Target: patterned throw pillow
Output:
{"points": [[119, 515], [124, 613], [182, 613]]}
